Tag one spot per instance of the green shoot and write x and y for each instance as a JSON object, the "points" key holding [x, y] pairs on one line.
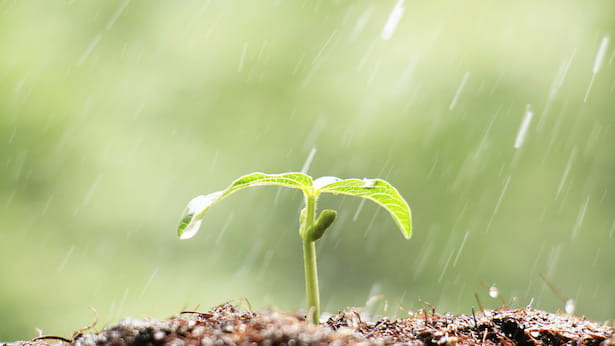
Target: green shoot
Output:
{"points": [[311, 228]]}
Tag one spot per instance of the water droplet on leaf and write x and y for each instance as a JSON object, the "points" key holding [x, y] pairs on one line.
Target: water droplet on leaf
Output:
{"points": [[369, 182], [493, 292], [569, 307], [192, 217], [324, 181]]}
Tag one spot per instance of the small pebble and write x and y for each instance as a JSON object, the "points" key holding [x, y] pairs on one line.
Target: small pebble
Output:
{"points": [[159, 335]]}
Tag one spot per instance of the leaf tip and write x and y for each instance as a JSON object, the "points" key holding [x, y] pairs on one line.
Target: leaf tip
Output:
{"points": [[188, 230], [407, 229], [407, 233]]}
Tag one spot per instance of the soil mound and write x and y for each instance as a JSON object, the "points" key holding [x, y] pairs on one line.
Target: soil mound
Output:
{"points": [[226, 325]]}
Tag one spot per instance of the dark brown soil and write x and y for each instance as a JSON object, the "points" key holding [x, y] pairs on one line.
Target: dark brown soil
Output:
{"points": [[226, 325]]}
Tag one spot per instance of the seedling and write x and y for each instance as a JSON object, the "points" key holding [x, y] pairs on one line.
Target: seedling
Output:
{"points": [[311, 228]]}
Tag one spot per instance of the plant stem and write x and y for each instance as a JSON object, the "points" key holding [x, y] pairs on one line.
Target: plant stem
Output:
{"points": [[311, 281], [309, 262]]}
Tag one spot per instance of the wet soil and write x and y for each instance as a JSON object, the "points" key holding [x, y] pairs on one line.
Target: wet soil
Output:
{"points": [[228, 325]]}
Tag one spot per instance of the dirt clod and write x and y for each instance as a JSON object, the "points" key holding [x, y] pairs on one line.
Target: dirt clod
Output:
{"points": [[226, 325]]}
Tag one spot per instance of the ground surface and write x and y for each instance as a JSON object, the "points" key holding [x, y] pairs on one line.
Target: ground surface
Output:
{"points": [[226, 325]]}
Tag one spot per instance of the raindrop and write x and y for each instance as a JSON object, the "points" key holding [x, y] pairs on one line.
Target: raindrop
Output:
{"points": [[375, 70], [298, 65], [324, 47], [46, 206], [394, 18], [12, 136], [524, 126], [405, 77], [566, 172], [266, 263], [463, 243], [372, 221], [117, 14], [365, 57], [594, 136], [459, 89], [149, 282], [18, 164], [554, 255], [580, 218], [597, 64], [497, 205], [529, 305], [569, 307], [120, 307], [315, 132], [10, 198], [600, 54], [278, 193], [92, 189], [225, 227], [448, 260], [493, 291], [89, 50], [432, 169], [242, 57], [214, 161], [111, 311], [423, 259], [556, 85], [360, 25], [308, 161], [66, 258], [596, 258], [356, 214]]}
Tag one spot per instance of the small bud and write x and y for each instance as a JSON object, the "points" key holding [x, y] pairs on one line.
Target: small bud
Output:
{"points": [[325, 219]]}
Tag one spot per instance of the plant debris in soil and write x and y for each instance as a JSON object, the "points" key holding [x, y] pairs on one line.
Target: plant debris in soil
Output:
{"points": [[226, 325]]}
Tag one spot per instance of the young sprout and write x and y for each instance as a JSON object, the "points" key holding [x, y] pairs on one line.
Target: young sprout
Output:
{"points": [[311, 228]]}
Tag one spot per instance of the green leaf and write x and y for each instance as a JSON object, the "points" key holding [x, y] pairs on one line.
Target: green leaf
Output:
{"points": [[376, 190], [198, 206]]}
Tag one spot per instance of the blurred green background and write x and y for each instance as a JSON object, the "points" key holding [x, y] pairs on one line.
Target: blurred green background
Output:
{"points": [[114, 114]]}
